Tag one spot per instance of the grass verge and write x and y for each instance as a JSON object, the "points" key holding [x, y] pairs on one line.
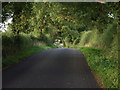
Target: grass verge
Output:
{"points": [[107, 69], [6, 62]]}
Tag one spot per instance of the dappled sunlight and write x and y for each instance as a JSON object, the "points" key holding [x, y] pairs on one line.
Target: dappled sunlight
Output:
{"points": [[70, 32]]}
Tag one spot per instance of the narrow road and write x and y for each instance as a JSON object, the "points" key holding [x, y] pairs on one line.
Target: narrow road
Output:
{"points": [[54, 68]]}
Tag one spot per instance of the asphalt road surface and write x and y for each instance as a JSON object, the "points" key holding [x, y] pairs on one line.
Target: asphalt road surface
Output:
{"points": [[53, 68]]}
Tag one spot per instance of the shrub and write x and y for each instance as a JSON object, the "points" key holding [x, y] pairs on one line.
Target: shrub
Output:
{"points": [[85, 36], [11, 43]]}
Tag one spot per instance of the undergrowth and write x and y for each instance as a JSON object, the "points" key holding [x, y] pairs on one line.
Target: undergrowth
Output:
{"points": [[106, 68], [22, 54]]}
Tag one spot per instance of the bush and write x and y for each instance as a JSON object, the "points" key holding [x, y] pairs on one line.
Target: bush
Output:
{"points": [[94, 38], [23, 41], [46, 40], [113, 51], [85, 36], [108, 36], [76, 41], [7, 44], [11, 44]]}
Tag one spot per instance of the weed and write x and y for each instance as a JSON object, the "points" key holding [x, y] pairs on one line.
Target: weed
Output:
{"points": [[107, 68]]}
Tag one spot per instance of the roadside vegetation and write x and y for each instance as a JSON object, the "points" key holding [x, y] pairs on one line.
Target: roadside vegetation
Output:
{"points": [[17, 57], [101, 52], [91, 27], [106, 69], [18, 47]]}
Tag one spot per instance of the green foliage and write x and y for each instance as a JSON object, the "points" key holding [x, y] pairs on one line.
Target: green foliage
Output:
{"points": [[47, 40], [94, 38], [106, 68], [14, 43], [76, 41], [106, 40], [85, 36], [108, 35], [21, 55], [39, 23], [113, 51], [60, 19], [66, 40]]}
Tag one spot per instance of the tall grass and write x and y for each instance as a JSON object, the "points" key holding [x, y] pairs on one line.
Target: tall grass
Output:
{"points": [[108, 36], [108, 40], [103, 61], [16, 47], [6, 62], [85, 36], [94, 38], [12, 43]]}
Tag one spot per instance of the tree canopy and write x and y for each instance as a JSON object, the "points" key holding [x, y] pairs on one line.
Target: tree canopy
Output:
{"points": [[60, 19]]}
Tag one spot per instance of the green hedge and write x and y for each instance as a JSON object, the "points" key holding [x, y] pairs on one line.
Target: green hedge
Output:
{"points": [[12, 43]]}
